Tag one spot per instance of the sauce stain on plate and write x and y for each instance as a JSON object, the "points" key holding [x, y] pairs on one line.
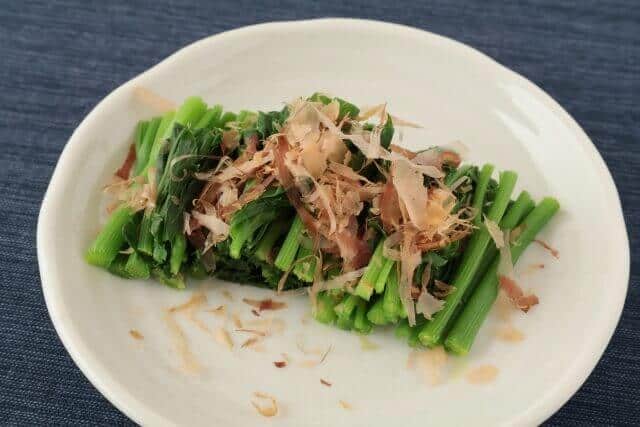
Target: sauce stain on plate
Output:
{"points": [[136, 335], [483, 374], [509, 333]]}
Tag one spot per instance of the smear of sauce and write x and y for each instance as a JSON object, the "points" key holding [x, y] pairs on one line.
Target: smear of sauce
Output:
{"points": [[193, 303], [136, 335], [252, 331], [191, 315], [258, 348], [265, 304], [345, 405], [268, 326], [509, 333], [431, 364], [269, 410], [553, 251], [220, 310], [503, 306], [222, 336], [300, 343], [533, 268], [308, 363], [249, 342], [483, 374], [236, 321], [311, 363], [188, 361]]}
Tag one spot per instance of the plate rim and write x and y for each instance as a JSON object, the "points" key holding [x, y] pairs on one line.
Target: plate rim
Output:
{"points": [[140, 413]]}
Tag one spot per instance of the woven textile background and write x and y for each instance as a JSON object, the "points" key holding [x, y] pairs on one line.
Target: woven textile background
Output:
{"points": [[59, 58]]}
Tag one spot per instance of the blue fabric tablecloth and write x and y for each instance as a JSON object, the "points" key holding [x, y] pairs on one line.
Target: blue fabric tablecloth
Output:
{"points": [[59, 58]]}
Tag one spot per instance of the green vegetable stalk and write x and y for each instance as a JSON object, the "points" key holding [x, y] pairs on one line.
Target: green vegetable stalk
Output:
{"points": [[289, 248], [367, 282], [110, 240], [433, 333], [468, 324]]}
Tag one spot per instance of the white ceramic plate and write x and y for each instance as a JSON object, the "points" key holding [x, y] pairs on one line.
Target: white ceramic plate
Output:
{"points": [[457, 93]]}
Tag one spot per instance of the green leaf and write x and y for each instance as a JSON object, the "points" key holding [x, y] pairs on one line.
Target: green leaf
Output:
{"points": [[386, 135], [319, 97], [347, 109]]}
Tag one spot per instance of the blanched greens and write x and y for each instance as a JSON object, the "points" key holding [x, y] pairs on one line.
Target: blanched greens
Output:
{"points": [[317, 195]]}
